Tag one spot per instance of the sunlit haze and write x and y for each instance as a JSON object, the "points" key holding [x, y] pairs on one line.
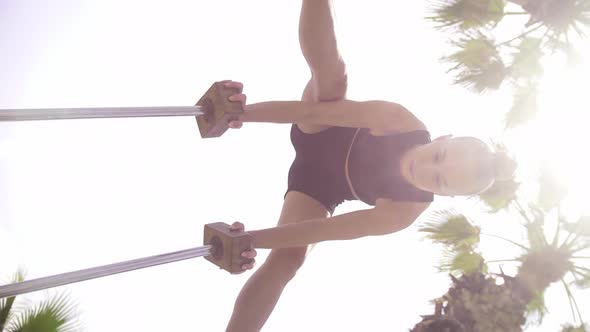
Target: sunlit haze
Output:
{"points": [[80, 193]]}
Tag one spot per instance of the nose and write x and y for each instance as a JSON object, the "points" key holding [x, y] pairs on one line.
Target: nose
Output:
{"points": [[430, 167]]}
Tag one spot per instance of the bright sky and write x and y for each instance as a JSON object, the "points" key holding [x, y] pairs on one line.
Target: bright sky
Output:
{"points": [[80, 193]]}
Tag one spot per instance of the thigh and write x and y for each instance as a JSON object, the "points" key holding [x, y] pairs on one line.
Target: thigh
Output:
{"points": [[323, 88], [297, 207]]}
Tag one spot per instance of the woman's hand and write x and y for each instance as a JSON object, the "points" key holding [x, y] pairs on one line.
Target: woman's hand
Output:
{"points": [[248, 254], [236, 97]]}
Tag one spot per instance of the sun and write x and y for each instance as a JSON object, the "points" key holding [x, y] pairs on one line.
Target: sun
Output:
{"points": [[558, 139]]}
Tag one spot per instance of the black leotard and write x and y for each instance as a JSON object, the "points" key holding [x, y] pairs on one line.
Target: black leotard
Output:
{"points": [[318, 168]]}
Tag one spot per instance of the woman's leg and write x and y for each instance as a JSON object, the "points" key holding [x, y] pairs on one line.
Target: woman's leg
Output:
{"points": [[317, 39], [319, 47], [262, 291]]}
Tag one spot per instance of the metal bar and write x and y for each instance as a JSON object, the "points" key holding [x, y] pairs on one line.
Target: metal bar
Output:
{"points": [[100, 271], [28, 114]]}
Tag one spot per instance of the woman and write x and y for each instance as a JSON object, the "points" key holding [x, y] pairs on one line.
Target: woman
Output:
{"points": [[374, 151]]}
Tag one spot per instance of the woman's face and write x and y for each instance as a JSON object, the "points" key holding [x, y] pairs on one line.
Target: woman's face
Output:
{"points": [[450, 166]]}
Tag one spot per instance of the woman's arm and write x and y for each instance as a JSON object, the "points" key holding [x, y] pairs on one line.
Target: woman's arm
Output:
{"points": [[376, 115], [348, 226]]}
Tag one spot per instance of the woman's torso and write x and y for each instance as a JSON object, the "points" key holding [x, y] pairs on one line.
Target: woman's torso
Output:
{"points": [[358, 165]]}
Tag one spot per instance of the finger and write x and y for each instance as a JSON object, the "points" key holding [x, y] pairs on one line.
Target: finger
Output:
{"points": [[234, 85], [238, 97], [249, 254], [237, 226], [235, 124]]}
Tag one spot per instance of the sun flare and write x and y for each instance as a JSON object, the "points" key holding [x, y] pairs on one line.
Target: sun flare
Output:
{"points": [[557, 138]]}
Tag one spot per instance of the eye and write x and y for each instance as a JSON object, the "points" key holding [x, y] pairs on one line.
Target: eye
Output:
{"points": [[436, 157]]}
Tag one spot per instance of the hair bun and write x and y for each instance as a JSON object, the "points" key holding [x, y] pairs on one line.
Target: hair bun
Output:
{"points": [[504, 166]]}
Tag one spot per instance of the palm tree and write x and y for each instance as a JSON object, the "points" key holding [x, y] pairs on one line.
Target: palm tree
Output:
{"points": [[479, 300], [53, 315], [481, 63]]}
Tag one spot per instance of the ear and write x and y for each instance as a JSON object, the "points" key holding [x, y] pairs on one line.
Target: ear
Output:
{"points": [[444, 137]]}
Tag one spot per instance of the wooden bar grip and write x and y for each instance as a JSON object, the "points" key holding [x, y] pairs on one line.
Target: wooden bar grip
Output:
{"points": [[218, 110], [227, 246]]}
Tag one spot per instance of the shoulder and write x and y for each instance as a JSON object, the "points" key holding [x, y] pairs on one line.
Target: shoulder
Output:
{"points": [[398, 119]]}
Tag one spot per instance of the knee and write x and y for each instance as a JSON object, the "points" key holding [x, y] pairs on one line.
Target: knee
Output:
{"points": [[332, 87], [287, 261]]}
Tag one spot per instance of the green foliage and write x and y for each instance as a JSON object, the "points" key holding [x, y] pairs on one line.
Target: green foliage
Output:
{"points": [[5, 313], [7, 303], [463, 261], [57, 314], [481, 65], [53, 315], [466, 14], [475, 50], [582, 276], [477, 64], [500, 195], [451, 229], [560, 16], [536, 234], [526, 60], [536, 309]]}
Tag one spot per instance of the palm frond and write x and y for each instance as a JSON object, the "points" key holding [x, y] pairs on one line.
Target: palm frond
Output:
{"points": [[466, 14], [500, 195], [5, 313], [451, 229], [56, 314], [524, 107], [536, 309], [462, 262], [6, 303], [561, 16], [475, 50], [526, 61], [477, 65], [572, 300], [536, 234], [582, 276]]}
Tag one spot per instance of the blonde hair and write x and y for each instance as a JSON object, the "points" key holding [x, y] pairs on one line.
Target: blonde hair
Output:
{"points": [[493, 166]]}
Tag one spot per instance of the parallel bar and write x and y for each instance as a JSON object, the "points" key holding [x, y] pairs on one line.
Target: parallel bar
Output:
{"points": [[100, 271], [96, 112]]}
